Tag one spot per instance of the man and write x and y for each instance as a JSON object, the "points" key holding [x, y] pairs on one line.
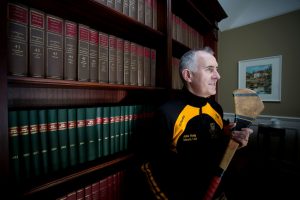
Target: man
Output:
{"points": [[190, 135]]}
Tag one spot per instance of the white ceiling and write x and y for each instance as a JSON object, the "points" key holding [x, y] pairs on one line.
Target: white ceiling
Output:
{"points": [[244, 12]]}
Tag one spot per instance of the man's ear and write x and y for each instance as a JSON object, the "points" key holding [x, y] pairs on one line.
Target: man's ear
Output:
{"points": [[187, 75]]}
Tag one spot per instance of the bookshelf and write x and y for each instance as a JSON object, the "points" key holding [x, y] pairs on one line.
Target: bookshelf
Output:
{"points": [[24, 92]]}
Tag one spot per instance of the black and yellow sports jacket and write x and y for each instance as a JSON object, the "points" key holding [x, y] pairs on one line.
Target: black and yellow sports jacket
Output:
{"points": [[187, 147]]}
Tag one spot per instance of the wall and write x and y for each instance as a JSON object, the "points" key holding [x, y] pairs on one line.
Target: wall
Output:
{"points": [[275, 36]]}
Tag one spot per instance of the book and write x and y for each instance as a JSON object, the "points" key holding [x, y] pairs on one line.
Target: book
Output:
{"points": [[133, 9], [23, 119], [99, 130], [112, 59], [35, 143], [17, 39], [70, 50], [53, 139], [140, 65], [106, 130], [103, 58], [125, 9], [110, 3], [133, 64], [81, 135], [54, 47], [43, 133], [126, 62], [62, 123], [88, 192], [80, 194], [153, 67], [117, 110], [83, 70], [141, 11], [154, 14], [96, 190], [126, 126], [91, 134], [120, 61], [93, 54], [147, 67], [72, 140], [112, 129], [119, 5], [14, 145], [148, 13], [36, 43], [122, 127]]}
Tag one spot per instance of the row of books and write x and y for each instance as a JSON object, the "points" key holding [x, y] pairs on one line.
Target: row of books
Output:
{"points": [[144, 11], [176, 80], [43, 45], [48, 140], [185, 34], [108, 188]]}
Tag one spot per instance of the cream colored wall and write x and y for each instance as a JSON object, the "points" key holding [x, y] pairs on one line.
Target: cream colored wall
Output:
{"points": [[276, 36]]}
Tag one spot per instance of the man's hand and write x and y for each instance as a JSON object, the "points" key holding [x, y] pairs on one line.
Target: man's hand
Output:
{"points": [[241, 136]]}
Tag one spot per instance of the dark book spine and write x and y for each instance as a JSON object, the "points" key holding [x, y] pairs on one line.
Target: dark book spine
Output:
{"points": [[133, 64], [81, 135], [120, 61], [54, 47], [106, 126], [35, 144], [17, 39], [63, 137], [42, 115], [93, 55], [112, 130], [122, 127], [147, 67], [154, 14], [99, 129], [70, 50], [72, 127], [25, 142], [153, 67], [14, 145], [80, 194], [103, 58], [112, 59], [36, 43], [96, 190], [140, 65], [83, 53], [91, 133], [53, 140], [126, 62], [88, 192], [117, 128], [126, 127]]}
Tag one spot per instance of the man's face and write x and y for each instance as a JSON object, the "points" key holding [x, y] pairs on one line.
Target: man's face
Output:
{"points": [[204, 80]]}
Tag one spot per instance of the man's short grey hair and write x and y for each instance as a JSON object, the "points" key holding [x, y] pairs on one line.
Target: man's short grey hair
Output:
{"points": [[188, 60]]}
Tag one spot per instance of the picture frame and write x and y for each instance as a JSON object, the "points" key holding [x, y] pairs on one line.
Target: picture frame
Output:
{"points": [[263, 75]]}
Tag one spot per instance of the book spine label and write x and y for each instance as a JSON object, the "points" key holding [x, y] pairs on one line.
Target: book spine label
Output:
{"points": [[112, 60], [53, 139], [127, 62], [17, 39], [133, 64], [93, 46], [36, 43], [103, 58], [70, 50], [72, 126], [140, 65], [35, 144], [120, 61], [63, 137], [54, 46], [83, 53]]}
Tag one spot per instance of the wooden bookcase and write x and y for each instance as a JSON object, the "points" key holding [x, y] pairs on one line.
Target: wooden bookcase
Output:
{"points": [[27, 92]]}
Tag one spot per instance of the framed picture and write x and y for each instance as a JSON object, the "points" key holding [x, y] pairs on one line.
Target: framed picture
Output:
{"points": [[263, 75]]}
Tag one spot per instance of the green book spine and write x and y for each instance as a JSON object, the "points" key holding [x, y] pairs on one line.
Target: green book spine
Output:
{"points": [[99, 129], [14, 144], [25, 142], [53, 139], [122, 128], [91, 133], [81, 135], [43, 133], [35, 144], [126, 127], [62, 118], [72, 127], [117, 128], [112, 130], [106, 139]]}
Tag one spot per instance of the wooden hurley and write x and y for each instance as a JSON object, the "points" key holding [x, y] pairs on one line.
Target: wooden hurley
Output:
{"points": [[248, 106]]}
